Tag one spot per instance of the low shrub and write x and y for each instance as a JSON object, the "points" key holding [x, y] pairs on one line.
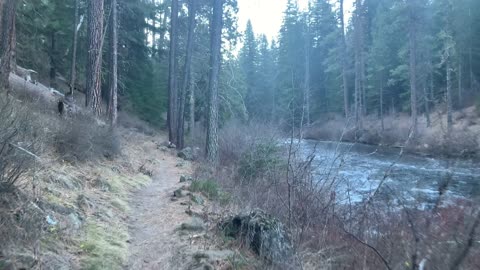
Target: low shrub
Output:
{"points": [[236, 138], [209, 188], [258, 160], [16, 143], [81, 139]]}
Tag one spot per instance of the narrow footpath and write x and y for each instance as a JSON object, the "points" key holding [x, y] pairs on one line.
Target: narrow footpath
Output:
{"points": [[154, 218]]}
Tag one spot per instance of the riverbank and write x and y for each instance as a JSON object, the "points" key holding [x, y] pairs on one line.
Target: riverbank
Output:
{"points": [[462, 142]]}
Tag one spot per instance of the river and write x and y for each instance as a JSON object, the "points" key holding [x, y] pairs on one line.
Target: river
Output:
{"points": [[356, 170]]}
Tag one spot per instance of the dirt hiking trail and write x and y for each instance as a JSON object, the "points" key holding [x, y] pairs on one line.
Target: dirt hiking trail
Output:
{"points": [[154, 218]]}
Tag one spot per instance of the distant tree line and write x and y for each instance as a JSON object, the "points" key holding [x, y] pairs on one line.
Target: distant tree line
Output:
{"points": [[392, 56]]}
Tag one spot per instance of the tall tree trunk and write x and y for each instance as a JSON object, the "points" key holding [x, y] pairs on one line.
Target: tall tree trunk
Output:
{"points": [[470, 45], [73, 69], [187, 74], [215, 61], [413, 66], [381, 102], [358, 62], [344, 61], [53, 69], [163, 26], [274, 108], [154, 27], [1, 17], [306, 94], [460, 94], [449, 96], [427, 105], [470, 56], [362, 64], [7, 41], [172, 80], [13, 44], [192, 106], [94, 56], [113, 65]]}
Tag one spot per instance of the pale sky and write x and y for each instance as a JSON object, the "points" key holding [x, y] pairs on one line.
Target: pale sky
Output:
{"points": [[267, 15]]}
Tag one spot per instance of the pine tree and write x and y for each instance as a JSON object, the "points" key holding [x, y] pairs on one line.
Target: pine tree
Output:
{"points": [[172, 75], [7, 42], [187, 74], [73, 69], [248, 62], [412, 41], [215, 62], [113, 65], [94, 60]]}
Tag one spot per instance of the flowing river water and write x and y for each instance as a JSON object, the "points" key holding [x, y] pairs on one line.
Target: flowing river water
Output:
{"points": [[356, 170]]}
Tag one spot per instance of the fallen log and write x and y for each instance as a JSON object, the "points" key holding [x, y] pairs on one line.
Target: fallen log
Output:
{"points": [[49, 98]]}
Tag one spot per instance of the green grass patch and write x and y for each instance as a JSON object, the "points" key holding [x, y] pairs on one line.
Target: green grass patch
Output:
{"points": [[104, 247], [120, 204], [122, 184], [211, 190], [208, 188]]}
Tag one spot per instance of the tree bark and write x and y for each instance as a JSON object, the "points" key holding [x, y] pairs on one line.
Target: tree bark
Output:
{"points": [[215, 59], [381, 102], [192, 106], [73, 69], [172, 80], [307, 77], [1, 17], [113, 74], [7, 42], [154, 27], [161, 40], [53, 69], [427, 105], [460, 94], [449, 96], [94, 56], [413, 67], [358, 62], [344, 61], [187, 74]]}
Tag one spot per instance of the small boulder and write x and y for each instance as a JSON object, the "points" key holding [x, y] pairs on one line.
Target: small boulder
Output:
{"points": [[184, 179], [179, 193], [264, 234], [195, 224], [186, 154], [197, 199]]}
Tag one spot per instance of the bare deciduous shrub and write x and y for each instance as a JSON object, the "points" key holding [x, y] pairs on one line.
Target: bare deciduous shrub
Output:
{"points": [[82, 139], [235, 139], [20, 219], [21, 225], [16, 143]]}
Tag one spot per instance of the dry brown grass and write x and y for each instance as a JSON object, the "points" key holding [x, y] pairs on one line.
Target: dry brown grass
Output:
{"points": [[80, 139]]}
